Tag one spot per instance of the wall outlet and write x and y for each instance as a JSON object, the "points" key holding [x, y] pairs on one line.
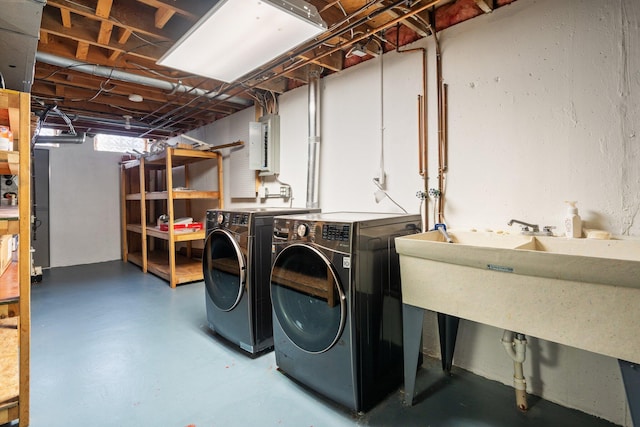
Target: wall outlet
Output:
{"points": [[285, 192]]}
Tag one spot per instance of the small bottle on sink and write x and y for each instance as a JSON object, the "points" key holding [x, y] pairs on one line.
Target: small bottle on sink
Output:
{"points": [[573, 222]]}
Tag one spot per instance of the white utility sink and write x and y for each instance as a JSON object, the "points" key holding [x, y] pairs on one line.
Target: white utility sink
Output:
{"points": [[580, 292]]}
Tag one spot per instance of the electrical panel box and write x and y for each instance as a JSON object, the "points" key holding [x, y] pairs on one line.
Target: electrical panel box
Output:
{"points": [[264, 145]]}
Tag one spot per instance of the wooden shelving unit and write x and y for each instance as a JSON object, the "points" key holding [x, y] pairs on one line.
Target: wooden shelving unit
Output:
{"points": [[147, 188], [15, 281]]}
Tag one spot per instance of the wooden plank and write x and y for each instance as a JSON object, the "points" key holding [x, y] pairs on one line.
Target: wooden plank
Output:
{"points": [[162, 16], [125, 14], [9, 162], [10, 287], [9, 226], [104, 36], [186, 270], [87, 32], [24, 255], [9, 370], [82, 51], [103, 9], [9, 412], [65, 16], [179, 235], [170, 211]]}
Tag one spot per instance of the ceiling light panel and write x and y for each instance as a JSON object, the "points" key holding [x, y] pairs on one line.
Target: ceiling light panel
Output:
{"points": [[237, 36]]}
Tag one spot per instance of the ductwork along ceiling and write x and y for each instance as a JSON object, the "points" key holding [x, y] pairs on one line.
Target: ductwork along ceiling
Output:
{"points": [[96, 59]]}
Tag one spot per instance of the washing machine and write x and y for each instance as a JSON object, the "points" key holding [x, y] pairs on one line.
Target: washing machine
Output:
{"points": [[337, 303], [236, 263]]}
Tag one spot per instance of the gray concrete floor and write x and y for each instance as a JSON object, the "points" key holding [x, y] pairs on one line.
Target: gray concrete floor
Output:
{"points": [[114, 347]]}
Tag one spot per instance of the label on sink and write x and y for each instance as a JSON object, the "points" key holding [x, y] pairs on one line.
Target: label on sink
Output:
{"points": [[500, 268]]}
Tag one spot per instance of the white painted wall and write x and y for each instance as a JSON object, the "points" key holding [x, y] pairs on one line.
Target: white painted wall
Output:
{"points": [[84, 210], [541, 110]]}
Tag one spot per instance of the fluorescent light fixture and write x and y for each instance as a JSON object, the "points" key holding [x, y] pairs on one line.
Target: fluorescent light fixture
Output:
{"points": [[237, 36]]}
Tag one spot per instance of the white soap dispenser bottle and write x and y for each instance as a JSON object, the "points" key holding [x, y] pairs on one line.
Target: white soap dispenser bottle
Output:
{"points": [[572, 222]]}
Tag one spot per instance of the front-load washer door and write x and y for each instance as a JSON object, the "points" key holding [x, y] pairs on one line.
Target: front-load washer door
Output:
{"points": [[308, 300], [224, 269]]}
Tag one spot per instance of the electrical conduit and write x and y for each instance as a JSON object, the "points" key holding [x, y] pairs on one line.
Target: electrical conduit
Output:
{"points": [[313, 170]]}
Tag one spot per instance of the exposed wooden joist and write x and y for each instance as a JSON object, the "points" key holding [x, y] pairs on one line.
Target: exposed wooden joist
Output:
{"points": [[333, 61], [190, 9], [103, 9], [104, 36], [163, 15], [65, 17], [82, 51], [123, 35], [87, 32], [124, 14]]}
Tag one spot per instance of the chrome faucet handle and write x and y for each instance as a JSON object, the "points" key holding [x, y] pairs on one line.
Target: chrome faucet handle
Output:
{"points": [[525, 226], [547, 229]]}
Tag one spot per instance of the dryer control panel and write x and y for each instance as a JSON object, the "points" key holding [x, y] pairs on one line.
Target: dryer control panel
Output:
{"points": [[331, 235], [338, 232]]}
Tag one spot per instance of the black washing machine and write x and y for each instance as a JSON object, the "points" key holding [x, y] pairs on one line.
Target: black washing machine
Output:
{"points": [[337, 303], [236, 263]]}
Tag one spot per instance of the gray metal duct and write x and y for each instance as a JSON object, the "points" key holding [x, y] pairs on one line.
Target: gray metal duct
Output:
{"points": [[98, 70], [313, 170], [61, 139]]}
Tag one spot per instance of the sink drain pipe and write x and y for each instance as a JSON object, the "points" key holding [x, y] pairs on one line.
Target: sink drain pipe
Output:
{"points": [[515, 345]]}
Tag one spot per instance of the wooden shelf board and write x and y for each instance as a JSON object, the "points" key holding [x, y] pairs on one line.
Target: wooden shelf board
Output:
{"points": [[177, 194], [10, 285], [9, 162], [136, 228], [9, 412], [196, 194], [135, 258], [9, 378], [187, 269], [133, 196], [180, 157], [178, 236]]}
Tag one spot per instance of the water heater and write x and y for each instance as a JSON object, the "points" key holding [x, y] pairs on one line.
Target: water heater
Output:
{"points": [[264, 145]]}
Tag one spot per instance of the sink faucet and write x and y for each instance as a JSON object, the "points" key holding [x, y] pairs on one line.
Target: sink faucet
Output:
{"points": [[442, 228], [532, 228]]}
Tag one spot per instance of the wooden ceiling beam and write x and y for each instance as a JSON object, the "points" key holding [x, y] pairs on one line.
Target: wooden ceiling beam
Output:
{"points": [[190, 9], [163, 14], [88, 32], [82, 51], [65, 17], [129, 15], [103, 9], [333, 61], [104, 35], [68, 78]]}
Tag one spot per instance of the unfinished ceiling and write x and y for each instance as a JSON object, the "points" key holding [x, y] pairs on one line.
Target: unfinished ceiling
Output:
{"points": [[96, 59]]}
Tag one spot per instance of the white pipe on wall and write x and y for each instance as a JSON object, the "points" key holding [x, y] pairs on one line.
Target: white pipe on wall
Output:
{"points": [[516, 347]]}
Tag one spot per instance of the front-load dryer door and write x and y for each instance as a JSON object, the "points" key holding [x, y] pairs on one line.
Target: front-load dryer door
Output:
{"points": [[224, 269], [308, 300]]}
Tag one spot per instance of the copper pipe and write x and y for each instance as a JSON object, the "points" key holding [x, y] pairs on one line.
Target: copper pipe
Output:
{"points": [[441, 139], [421, 161]]}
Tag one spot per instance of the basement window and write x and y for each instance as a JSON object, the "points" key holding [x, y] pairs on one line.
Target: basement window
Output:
{"points": [[120, 144]]}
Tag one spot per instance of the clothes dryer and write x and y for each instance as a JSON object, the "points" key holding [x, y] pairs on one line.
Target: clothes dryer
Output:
{"points": [[236, 263], [337, 303]]}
